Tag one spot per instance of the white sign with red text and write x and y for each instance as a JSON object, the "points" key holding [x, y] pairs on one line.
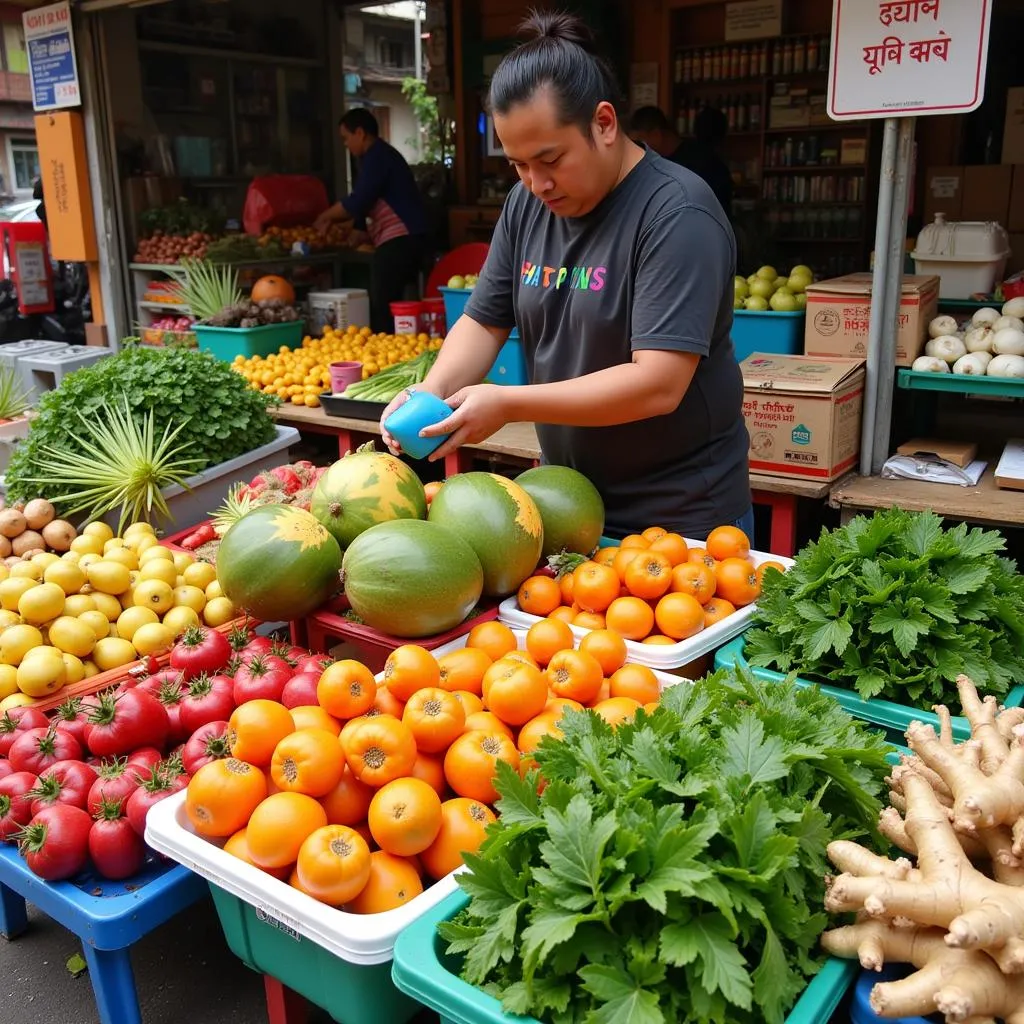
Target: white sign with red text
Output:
{"points": [[907, 58], [52, 67]]}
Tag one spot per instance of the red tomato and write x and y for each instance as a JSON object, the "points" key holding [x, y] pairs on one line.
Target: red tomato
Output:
{"points": [[200, 650], [171, 696], [15, 803], [142, 762], [209, 699], [257, 645], [150, 792], [208, 743], [156, 681], [122, 723], [315, 663], [55, 843], [5, 768], [66, 782], [116, 849], [239, 638], [261, 678], [16, 721], [115, 782], [72, 717], [37, 749], [300, 690]]}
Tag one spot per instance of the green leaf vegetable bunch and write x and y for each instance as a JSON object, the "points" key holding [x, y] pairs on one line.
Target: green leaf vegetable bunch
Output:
{"points": [[895, 606], [220, 417], [671, 869]]}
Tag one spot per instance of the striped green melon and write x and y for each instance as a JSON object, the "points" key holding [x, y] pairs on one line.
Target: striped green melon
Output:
{"points": [[411, 579], [499, 520], [570, 507], [278, 563], [365, 488]]}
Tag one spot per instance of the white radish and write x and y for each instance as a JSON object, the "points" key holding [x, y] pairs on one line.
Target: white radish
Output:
{"points": [[930, 364], [942, 326], [971, 365], [1015, 307], [1008, 343], [1006, 366], [978, 339], [988, 315], [948, 348]]}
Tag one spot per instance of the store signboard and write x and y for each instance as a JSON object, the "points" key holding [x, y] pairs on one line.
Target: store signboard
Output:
{"points": [[51, 57], [907, 58], [753, 19]]}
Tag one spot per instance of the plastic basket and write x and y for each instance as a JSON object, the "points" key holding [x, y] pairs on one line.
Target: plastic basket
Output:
{"points": [[338, 308], [422, 970], [860, 1007], [893, 718], [668, 656], [510, 366], [227, 342], [767, 331]]}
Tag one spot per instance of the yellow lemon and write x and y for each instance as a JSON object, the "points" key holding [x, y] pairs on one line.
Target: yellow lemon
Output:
{"points": [[91, 669], [112, 652], [159, 570], [8, 619], [109, 577], [179, 581], [87, 545], [89, 559], [154, 594], [191, 597], [140, 542], [78, 603], [111, 543], [153, 638], [45, 558], [72, 636], [112, 629], [69, 577], [107, 604], [11, 590], [43, 674], [131, 619], [178, 619], [17, 641], [214, 590], [182, 560], [125, 556], [156, 554], [74, 669], [8, 681], [100, 530], [27, 571], [135, 528], [16, 700], [43, 648], [199, 574], [41, 603], [5, 570], [97, 622], [216, 613], [71, 556]]}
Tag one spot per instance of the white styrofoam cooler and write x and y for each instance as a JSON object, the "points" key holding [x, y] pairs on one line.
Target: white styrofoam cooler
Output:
{"points": [[338, 308], [664, 656], [968, 256]]}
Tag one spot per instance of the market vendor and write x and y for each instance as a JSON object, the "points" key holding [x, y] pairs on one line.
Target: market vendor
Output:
{"points": [[387, 205], [618, 268]]}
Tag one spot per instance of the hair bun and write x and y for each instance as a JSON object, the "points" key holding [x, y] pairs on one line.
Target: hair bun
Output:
{"points": [[559, 25]]}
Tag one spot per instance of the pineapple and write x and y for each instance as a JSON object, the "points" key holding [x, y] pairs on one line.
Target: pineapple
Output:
{"points": [[235, 506]]}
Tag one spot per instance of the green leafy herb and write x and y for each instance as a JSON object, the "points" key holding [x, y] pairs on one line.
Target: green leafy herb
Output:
{"points": [[896, 607], [669, 872]]}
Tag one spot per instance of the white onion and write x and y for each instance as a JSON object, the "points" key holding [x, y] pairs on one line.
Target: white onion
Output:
{"points": [[1006, 366], [1015, 307], [942, 326], [1009, 343], [949, 348], [929, 364], [988, 315], [1006, 322], [978, 339], [971, 365], [985, 357]]}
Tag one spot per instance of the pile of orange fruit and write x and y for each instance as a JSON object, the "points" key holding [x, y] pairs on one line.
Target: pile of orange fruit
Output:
{"points": [[380, 787], [334, 237], [653, 587]]}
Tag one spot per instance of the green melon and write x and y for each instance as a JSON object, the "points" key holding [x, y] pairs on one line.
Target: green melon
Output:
{"points": [[365, 488], [499, 520], [570, 507], [278, 563], [411, 579]]}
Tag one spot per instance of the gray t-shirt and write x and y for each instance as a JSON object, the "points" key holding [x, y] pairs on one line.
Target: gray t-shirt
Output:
{"points": [[651, 267]]}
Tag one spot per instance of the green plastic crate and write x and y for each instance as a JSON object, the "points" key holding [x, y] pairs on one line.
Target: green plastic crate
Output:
{"points": [[348, 993], [422, 970], [893, 718], [227, 342]]}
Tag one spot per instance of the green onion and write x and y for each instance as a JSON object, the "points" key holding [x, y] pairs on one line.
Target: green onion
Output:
{"points": [[13, 400], [206, 288]]}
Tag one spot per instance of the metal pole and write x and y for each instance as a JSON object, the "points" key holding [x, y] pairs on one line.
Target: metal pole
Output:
{"points": [[893, 293], [878, 326], [417, 43]]}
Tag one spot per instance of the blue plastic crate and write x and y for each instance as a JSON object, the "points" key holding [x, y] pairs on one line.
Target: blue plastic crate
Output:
{"points": [[510, 366], [776, 333], [860, 1008]]}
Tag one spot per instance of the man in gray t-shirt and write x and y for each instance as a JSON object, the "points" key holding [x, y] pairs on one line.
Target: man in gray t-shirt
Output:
{"points": [[650, 267]]}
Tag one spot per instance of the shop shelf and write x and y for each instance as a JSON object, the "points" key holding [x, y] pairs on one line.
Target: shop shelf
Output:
{"points": [[893, 718], [422, 970], [961, 384]]}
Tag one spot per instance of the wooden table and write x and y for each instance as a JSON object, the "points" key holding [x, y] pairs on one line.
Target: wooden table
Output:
{"points": [[985, 503], [519, 441]]}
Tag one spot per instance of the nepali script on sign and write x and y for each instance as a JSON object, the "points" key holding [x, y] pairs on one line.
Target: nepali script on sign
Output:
{"points": [[893, 49]]}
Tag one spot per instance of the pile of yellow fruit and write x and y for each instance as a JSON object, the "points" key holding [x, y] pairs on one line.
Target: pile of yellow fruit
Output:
{"points": [[299, 376], [101, 605]]}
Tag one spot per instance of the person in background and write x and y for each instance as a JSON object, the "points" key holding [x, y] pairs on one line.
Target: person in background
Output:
{"points": [[386, 204], [650, 127]]}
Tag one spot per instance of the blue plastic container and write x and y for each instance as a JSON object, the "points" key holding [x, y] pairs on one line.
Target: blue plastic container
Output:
{"points": [[510, 366], [775, 333], [860, 1007], [421, 410], [227, 342]]}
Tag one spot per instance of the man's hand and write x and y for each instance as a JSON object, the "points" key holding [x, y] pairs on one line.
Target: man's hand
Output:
{"points": [[479, 411], [396, 403], [324, 221]]}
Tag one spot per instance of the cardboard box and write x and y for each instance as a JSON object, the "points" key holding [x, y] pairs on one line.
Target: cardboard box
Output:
{"points": [[960, 453], [1013, 127], [803, 415], [839, 312], [943, 193], [987, 193], [1010, 471]]}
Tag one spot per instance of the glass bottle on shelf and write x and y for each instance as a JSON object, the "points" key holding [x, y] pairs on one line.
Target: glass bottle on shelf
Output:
{"points": [[754, 113], [787, 58], [762, 61], [706, 66], [801, 152], [799, 57], [678, 68], [812, 53], [716, 66], [776, 59], [744, 68], [787, 152]]}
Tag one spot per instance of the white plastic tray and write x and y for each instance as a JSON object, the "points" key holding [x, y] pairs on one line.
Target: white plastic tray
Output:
{"points": [[664, 656], [364, 939]]}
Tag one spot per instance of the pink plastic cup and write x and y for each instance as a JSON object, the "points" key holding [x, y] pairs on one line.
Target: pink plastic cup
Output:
{"points": [[344, 374]]}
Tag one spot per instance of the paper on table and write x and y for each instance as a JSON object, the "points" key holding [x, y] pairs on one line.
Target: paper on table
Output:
{"points": [[932, 471], [1010, 471]]}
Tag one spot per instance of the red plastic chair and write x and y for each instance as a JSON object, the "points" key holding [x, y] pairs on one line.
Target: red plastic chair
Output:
{"points": [[466, 259]]}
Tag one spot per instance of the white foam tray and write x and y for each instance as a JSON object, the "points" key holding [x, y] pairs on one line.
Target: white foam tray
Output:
{"points": [[664, 656]]}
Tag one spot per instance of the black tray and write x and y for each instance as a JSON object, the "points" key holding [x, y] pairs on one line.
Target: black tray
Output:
{"points": [[335, 405]]}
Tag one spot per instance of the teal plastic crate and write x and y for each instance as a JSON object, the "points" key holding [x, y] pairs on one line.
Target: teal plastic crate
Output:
{"points": [[510, 366], [422, 970], [227, 342], [349, 993], [780, 334], [893, 718], [960, 384]]}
